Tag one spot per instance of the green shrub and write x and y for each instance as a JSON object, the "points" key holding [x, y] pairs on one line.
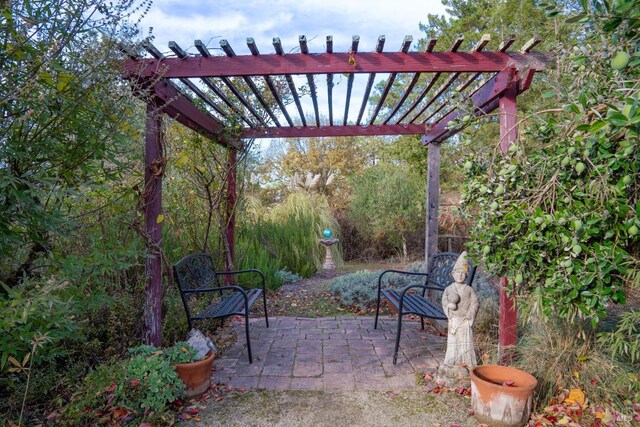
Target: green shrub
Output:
{"points": [[361, 288], [93, 395], [572, 358], [149, 384], [624, 341], [287, 277], [285, 237], [139, 388], [37, 309]]}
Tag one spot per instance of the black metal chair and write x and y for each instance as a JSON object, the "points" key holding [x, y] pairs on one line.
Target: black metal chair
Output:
{"points": [[196, 274], [436, 279]]}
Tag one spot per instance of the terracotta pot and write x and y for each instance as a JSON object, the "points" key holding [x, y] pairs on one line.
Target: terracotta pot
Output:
{"points": [[502, 396], [196, 376]]}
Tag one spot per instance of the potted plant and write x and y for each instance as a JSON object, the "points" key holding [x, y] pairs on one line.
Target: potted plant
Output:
{"points": [[501, 395], [195, 373]]}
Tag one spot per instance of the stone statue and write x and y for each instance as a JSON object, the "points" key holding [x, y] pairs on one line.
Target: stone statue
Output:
{"points": [[460, 304]]}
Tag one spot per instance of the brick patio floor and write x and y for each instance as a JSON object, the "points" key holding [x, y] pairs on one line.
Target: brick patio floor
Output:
{"points": [[329, 353]]}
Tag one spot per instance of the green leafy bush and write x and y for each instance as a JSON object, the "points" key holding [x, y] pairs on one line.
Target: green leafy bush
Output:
{"points": [[558, 214], [139, 388], [149, 383], [180, 352]]}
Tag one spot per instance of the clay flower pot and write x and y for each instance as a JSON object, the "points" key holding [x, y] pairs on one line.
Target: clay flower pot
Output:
{"points": [[502, 396], [196, 376]]}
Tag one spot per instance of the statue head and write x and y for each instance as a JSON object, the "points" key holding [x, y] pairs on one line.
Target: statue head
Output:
{"points": [[460, 269]]}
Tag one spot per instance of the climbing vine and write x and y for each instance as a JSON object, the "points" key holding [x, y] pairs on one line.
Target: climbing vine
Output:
{"points": [[558, 214]]}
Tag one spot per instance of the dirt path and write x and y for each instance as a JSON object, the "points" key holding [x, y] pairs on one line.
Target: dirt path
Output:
{"points": [[305, 408]]}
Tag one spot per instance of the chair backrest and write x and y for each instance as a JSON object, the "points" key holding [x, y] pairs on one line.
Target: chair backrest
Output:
{"points": [[441, 265], [195, 271]]}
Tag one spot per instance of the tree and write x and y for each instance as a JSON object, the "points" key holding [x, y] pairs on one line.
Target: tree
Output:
{"points": [[331, 160], [64, 126], [387, 203]]}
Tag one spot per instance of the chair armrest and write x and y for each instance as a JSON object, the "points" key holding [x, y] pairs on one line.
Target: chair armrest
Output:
{"points": [[252, 270], [409, 273]]}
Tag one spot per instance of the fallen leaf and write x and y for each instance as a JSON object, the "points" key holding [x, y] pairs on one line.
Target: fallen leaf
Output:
{"points": [[575, 396], [119, 412]]}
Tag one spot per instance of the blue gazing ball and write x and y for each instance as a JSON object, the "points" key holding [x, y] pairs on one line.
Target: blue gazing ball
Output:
{"points": [[326, 233]]}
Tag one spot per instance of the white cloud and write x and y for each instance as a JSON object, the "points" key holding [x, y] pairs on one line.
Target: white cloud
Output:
{"points": [[184, 22]]}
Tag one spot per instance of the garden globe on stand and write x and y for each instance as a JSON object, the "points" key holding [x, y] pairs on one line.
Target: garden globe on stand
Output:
{"points": [[327, 242]]}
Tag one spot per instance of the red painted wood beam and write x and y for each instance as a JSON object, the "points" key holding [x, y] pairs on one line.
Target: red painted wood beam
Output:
{"points": [[508, 117], [507, 327], [322, 63], [180, 108], [330, 131], [153, 171], [482, 98]]}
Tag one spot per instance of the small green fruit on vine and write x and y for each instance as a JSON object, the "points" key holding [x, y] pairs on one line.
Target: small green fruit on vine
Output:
{"points": [[468, 165], [620, 60], [577, 225], [571, 150], [576, 249], [626, 180], [519, 279], [494, 206], [633, 230], [500, 190], [486, 249], [565, 161], [580, 167]]}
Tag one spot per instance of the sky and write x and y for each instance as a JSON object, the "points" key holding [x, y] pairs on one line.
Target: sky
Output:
{"points": [[211, 21]]}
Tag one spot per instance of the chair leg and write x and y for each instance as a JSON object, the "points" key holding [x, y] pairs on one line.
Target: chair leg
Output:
{"points": [[375, 324], [422, 323], [266, 316], [246, 325], [395, 352]]}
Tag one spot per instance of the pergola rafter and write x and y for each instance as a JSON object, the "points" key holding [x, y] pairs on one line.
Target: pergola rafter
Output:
{"points": [[262, 119], [206, 92]]}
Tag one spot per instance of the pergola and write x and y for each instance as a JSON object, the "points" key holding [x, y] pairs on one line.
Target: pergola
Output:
{"points": [[205, 92]]}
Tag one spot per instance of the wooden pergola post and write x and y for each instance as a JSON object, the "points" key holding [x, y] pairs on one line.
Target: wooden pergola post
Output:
{"points": [[232, 161], [433, 201], [152, 199], [508, 309]]}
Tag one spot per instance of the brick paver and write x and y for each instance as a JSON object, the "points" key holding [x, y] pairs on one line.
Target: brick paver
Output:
{"points": [[331, 353]]}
